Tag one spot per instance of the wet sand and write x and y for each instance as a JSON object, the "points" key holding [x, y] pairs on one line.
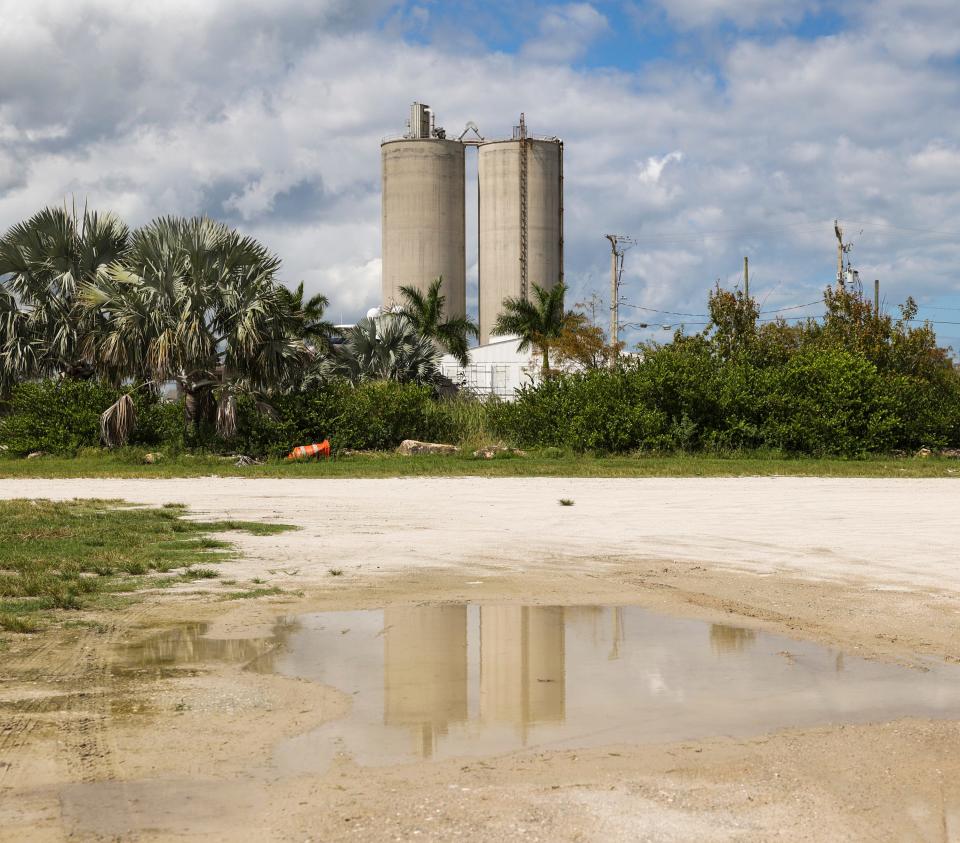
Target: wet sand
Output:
{"points": [[92, 749]]}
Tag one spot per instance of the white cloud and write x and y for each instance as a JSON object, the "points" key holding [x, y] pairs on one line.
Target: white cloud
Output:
{"points": [[701, 13], [271, 115], [652, 169], [565, 33]]}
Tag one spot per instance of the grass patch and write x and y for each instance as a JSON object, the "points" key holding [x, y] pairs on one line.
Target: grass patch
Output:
{"points": [[199, 574], [335, 572], [18, 623], [566, 501], [253, 593], [547, 462], [96, 554]]}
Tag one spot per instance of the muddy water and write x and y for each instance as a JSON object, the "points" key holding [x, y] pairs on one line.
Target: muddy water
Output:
{"points": [[439, 681]]}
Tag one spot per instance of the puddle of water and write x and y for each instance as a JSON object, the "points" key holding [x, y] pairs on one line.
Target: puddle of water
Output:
{"points": [[447, 681], [182, 650], [467, 680]]}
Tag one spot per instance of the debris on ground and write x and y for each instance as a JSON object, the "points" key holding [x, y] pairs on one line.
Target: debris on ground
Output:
{"points": [[411, 446], [492, 451], [244, 460]]}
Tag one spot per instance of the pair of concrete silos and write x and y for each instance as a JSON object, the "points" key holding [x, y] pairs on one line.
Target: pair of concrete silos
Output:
{"points": [[520, 216]]}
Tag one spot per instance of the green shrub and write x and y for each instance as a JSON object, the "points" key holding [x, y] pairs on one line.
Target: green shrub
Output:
{"points": [[596, 411], [377, 415], [60, 417], [821, 400], [828, 401]]}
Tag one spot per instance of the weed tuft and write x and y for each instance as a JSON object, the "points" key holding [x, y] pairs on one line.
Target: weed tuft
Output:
{"points": [[199, 574], [252, 593], [17, 623]]}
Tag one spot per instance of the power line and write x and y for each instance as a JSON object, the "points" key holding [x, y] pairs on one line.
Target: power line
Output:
{"points": [[678, 235], [707, 315], [667, 312], [792, 307], [649, 326], [905, 228]]}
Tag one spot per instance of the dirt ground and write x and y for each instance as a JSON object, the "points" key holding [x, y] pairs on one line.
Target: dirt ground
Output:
{"points": [[92, 749]]}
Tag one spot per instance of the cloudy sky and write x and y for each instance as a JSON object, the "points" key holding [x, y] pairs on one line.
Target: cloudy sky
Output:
{"points": [[706, 129]]}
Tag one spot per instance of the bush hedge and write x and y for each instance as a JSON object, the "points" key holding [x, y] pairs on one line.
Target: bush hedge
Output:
{"points": [[856, 383], [60, 417], [820, 401], [372, 416]]}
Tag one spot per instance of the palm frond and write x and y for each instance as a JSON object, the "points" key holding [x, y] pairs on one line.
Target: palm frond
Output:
{"points": [[118, 421]]}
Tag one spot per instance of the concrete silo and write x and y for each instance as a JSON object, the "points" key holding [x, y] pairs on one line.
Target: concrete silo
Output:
{"points": [[520, 220], [423, 213]]}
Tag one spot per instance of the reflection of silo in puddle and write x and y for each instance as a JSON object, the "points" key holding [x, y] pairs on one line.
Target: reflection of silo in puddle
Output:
{"points": [[425, 669], [730, 639], [522, 677]]}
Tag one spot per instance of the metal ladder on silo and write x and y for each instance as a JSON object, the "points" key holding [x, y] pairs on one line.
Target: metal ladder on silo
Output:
{"points": [[524, 148]]}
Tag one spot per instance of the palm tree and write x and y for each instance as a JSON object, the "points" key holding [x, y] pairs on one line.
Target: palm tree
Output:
{"points": [[313, 328], [385, 347], [195, 302], [538, 323], [44, 261], [425, 313]]}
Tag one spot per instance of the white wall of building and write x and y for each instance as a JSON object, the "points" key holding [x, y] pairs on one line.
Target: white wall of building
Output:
{"points": [[494, 369]]}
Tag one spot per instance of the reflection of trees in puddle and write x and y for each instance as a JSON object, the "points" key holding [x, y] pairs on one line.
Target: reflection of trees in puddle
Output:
{"points": [[730, 639], [188, 645]]}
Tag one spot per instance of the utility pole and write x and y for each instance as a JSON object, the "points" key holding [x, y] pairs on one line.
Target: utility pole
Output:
{"points": [[746, 278], [614, 296], [876, 297], [616, 271], [839, 232]]}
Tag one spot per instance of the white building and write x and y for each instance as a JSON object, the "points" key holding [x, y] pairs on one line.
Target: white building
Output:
{"points": [[494, 369]]}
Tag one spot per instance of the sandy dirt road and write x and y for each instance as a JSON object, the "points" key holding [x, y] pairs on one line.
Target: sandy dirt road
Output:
{"points": [[890, 532], [93, 751]]}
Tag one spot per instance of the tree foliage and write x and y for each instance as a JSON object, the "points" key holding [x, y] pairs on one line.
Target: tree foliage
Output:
{"points": [[583, 346], [386, 347], [197, 303], [425, 312], [856, 382], [538, 323], [44, 263]]}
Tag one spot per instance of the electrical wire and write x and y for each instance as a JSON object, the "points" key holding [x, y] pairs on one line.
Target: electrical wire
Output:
{"points": [[707, 315], [792, 307], [904, 228], [679, 236], [667, 312]]}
